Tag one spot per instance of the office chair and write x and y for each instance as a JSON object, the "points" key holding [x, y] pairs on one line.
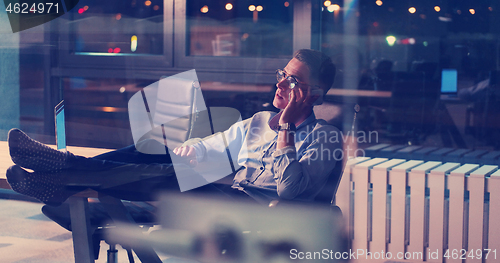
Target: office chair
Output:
{"points": [[404, 119], [483, 116], [168, 110]]}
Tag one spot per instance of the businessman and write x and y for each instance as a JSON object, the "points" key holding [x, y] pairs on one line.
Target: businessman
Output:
{"points": [[288, 155]]}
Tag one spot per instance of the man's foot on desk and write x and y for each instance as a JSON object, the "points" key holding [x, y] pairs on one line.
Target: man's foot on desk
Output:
{"points": [[40, 185], [35, 155]]}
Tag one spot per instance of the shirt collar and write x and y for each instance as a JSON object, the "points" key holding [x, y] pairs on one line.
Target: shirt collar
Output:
{"points": [[273, 122]]}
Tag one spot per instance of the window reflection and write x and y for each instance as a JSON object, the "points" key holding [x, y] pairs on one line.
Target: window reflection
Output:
{"points": [[239, 28], [118, 28], [402, 49]]}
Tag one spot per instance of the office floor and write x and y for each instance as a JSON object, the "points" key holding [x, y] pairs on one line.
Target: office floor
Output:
{"points": [[27, 236]]}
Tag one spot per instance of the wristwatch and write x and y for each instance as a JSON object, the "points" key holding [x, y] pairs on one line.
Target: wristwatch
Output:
{"points": [[287, 127]]}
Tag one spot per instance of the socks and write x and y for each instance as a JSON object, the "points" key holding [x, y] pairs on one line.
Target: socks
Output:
{"points": [[46, 187], [34, 155]]}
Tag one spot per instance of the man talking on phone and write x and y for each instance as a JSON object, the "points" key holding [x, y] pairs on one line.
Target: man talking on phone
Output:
{"points": [[291, 154], [286, 155]]}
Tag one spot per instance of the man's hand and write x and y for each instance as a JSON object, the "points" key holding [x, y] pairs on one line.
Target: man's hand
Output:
{"points": [[298, 107], [188, 153]]}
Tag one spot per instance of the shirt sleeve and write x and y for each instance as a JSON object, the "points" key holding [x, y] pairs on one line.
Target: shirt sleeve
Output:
{"points": [[305, 174], [213, 147]]}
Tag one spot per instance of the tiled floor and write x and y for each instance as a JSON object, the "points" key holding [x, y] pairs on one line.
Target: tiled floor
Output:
{"points": [[26, 236]]}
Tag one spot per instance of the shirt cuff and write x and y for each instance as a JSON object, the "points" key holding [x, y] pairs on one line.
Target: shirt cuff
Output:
{"points": [[283, 151], [199, 149]]}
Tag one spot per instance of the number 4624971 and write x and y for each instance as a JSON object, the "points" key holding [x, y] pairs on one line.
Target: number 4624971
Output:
{"points": [[25, 8]]}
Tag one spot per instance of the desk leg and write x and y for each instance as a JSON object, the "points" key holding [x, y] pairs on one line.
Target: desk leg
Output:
{"points": [[80, 225]]}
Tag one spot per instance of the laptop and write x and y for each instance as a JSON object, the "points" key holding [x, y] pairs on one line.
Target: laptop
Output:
{"points": [[449, 82], [60, 126]]}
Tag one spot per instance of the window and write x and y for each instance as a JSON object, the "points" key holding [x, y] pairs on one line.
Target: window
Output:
{"points": [[133, 33]]}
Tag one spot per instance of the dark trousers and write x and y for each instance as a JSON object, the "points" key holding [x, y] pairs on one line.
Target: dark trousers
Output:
{"points": [[147, 189]]}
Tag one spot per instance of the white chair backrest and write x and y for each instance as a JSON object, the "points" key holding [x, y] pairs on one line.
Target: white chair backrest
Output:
{"points": [[166, 111]]}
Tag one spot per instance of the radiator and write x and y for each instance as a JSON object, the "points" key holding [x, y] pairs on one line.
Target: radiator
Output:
{"points": [[415, 211]]}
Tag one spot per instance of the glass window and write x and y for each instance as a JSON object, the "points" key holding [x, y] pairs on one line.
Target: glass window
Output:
{"points": [[400, 55], [117, 28], [239, 28]]}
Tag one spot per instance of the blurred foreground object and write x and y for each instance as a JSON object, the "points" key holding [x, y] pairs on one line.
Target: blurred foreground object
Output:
{"points": [[214, 230]]}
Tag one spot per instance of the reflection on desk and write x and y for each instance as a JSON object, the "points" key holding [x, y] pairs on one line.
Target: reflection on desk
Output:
{"points": [[359, 93]]}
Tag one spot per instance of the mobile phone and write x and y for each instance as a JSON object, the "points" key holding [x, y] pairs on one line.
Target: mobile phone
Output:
{"points": [[320, 93]]}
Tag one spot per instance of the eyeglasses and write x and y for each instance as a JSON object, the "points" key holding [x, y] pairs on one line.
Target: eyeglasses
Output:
{"points": [[292, 81]]}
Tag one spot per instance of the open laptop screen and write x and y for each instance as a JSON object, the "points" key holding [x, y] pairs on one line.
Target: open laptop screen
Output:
{"points": [[60, 126], [449, 81]]}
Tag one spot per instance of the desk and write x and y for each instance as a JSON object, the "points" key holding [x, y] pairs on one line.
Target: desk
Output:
{"points": [[359, 93], [82, 241], [372, 98]]}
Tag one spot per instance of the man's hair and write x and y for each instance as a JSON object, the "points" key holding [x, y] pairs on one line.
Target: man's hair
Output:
{"points": [[321, 67]]}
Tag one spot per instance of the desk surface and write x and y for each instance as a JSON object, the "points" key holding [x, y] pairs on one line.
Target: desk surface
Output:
{"points": [[6, 162]]}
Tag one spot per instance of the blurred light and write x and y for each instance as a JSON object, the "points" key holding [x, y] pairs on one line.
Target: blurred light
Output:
{"points": [[118, 16], [437, 8], [287, 4], [245, 36], [80, 11], [109, 109], [490, 8], [472, 11], [110, 50], [375, 24], [390, 40], [423, 16], [147, 3], [459, 12], [259, 8], [251, 8], [133, 43], [425, 43], [116, 50], [379, 2], [327, 3], [85, 8], [444, 19], [411, 41], [204, 9], [229, 6], [412, 10], [122, 89], [333, 8], [156, 7]]}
